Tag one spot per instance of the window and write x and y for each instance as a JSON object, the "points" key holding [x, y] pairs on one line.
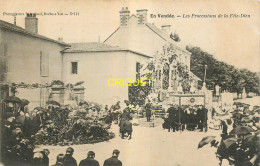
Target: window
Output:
{"points": [[138, 67], [74, 67], [44, 64]]}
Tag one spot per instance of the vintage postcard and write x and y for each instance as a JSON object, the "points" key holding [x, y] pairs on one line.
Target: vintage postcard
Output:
{"points": [[133, 83]]}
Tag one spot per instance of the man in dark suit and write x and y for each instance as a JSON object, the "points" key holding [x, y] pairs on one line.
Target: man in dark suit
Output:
{"points": [[89, 161], [68, 159], [148, 108], [113, 161], [205, 118], [171, 118], [200, 118]]}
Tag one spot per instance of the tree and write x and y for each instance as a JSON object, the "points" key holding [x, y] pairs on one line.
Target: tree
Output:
{"points": [[185, 77], [251, 81], [219, 73]]}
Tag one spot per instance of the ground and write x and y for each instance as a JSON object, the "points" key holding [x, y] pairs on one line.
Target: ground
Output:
{"points": [[150, 146]]}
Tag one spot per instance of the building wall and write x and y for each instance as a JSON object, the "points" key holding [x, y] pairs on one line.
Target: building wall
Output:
{"points": [[95, 68], [23, 54], [142, 39], [138, 38]]}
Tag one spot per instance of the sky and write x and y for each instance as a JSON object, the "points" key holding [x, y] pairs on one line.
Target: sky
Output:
{"points": [[232, 40]]}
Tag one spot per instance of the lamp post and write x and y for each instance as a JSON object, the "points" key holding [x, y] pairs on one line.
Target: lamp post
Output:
{"points": [[204, 82], [205, 74]]}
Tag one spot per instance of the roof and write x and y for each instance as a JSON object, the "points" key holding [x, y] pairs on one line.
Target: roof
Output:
{"points": [[97, 47], [132, 16], [164, 36], [18, 29], [157, 31]]}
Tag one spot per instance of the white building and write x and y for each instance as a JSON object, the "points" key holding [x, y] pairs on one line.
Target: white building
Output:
{"points": [[132, 44], [137, 34], [95, 64]]}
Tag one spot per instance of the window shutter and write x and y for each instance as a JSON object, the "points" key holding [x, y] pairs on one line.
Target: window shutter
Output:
{"points": [[47, 64], [44, 66], [3, 61], [41, 63], [5, 58], [2, 56]]}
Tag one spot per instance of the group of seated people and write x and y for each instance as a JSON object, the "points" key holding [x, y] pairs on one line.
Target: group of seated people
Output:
{"points": [[41, 159]]}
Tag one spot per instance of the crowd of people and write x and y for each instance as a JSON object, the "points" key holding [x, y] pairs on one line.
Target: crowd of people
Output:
{"points": [[124, 117], [41, 158], [17, 133], [239, 141], [186, 117], [21, 128]]}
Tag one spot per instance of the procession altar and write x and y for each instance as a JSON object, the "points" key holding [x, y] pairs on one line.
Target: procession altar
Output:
{"points": [[188, 103], [185, 99]]}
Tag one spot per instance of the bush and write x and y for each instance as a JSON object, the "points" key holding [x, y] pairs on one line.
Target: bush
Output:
{"points": [[76, 126]]}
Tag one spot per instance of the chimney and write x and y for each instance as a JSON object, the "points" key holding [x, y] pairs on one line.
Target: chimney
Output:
{"points": [[60, 39], [124, 16], [31, 22], [166, 29], [142, 16], [14, 20]]}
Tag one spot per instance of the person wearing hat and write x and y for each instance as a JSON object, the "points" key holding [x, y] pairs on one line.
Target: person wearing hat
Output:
{"points": [[113, 161], [89, 161], [68, 159], [126, 112], [148, 108], [114, 111]]}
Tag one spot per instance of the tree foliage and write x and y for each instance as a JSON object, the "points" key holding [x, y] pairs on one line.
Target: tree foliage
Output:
{"points": [[138, 94], [219, 73], [185, 77]]}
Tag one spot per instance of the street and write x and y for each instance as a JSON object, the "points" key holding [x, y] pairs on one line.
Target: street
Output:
{"points": [[150, 146]]}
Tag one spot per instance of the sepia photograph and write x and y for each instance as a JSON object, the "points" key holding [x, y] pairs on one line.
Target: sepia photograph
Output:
{"points": [[129, 83]]}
